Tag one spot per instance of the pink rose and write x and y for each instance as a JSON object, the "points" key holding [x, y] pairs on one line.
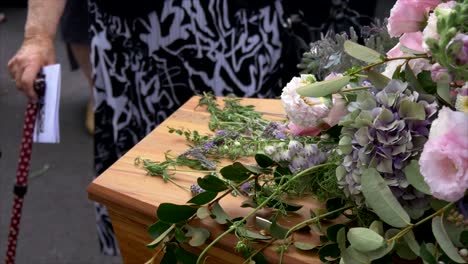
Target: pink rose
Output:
{"points": [[409, 16], [444, 160]]}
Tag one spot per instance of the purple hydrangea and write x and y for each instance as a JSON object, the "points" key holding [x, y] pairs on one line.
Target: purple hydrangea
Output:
{"points": [[383, 132]]}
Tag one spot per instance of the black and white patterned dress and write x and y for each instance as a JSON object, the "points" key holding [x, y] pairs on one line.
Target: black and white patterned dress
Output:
{"points": [[145, 66]]}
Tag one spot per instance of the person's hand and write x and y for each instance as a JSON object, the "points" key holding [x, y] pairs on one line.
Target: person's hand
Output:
{"points": [[35, 52]]}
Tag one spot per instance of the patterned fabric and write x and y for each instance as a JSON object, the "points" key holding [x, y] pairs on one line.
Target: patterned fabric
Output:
{"points": [[146, 67]]}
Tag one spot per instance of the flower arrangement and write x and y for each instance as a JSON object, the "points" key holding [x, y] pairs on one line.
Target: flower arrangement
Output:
{"points": [[382, 140]]}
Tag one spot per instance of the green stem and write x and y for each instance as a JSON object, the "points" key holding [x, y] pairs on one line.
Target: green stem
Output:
{"points": [[370, 66], [356, 89], [315, 219], [236, 224], [200, 171], [405, 230], [259, 250], [178, 185]]}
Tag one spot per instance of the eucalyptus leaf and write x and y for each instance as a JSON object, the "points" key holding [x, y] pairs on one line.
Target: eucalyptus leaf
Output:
{"points": [[170, 256], [203, 198], [290, 207], [437, 204], [412, 111], [185, 257], [414, 177], [352, 256], [426, 82], [235, 172], [426, 255], [404, 251], [364, 239], [381, 199], [155, 242], [212, 183], [244, 232], [324, 88], [332, 232], [443, 90], [377, 226], [329, 252], [410, 239], [180, 235], [156, 229], [218, 214], [380, 252], [198, 235], [341, 239], [411, 78], [277, 231], [203, 212], [263, 160], [362, 53], [464, 237], [173, 213], [332, 205], [377, 79], [304, 246], [444, 240]]}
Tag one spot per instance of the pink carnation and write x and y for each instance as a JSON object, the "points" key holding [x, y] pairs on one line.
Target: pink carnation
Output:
{"points": [[444, 160], [409, 16]]}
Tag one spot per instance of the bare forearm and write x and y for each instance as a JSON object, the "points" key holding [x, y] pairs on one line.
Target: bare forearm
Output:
{"points": [[43, 18]]}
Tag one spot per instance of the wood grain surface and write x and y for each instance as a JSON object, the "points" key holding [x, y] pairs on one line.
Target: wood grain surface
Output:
{"points": [[132, 197]]}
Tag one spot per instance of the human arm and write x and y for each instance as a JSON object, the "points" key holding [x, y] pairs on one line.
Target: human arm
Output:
{"points": [[37, 48]]}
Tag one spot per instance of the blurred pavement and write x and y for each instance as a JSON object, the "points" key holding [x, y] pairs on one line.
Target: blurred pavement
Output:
{"points": [[58, 223]]}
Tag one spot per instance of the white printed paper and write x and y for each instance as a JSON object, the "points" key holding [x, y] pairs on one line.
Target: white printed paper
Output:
{"points": [[46, 129]]}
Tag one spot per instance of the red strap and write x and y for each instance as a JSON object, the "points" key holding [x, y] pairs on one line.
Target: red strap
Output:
{"points": [[22, 174]]}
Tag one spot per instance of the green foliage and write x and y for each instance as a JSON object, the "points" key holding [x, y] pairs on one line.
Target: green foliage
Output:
{"points": [[362, 53], [173, 213], [377, 79], [304, 246], [381, 199], [414, 177], [198, 235], [329, 252], [324, 88], [364, 239], [444, 240], [203, 198], [212, 183]]}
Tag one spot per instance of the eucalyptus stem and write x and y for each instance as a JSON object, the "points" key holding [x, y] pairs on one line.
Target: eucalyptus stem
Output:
{"points": [[356, 89], [200, 171], [265, 202], [178, 185], [405, 230], [315, 219], [370, 66], [259, 250]]}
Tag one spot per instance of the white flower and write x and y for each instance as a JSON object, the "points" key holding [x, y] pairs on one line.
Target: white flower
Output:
{"points": [[430, 31], [303, 111]]}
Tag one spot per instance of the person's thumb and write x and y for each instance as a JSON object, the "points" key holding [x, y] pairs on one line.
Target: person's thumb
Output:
{"points": [[27, 80]]}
